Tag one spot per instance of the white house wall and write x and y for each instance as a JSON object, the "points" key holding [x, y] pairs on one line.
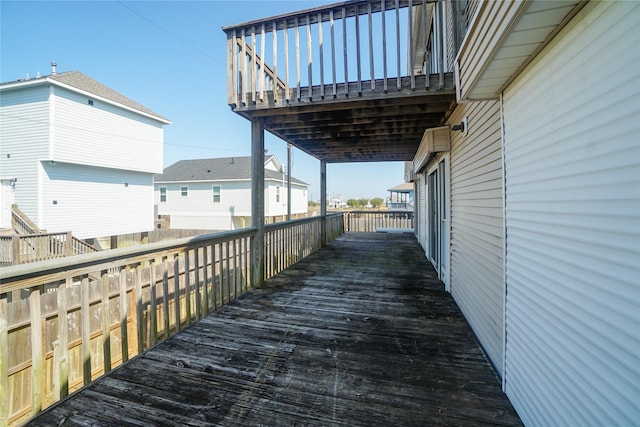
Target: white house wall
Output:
{"points": [[95, 202], [198, 210], [104, 135], [572, 155], [24, 138], [477, 224]]}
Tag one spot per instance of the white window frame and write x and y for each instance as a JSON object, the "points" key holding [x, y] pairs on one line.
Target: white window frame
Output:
{"points": [[187, 191], [213, 190], [166, 192]]}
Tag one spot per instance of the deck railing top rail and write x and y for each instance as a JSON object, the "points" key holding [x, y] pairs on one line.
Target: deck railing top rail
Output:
{"points": [[345, 49]]}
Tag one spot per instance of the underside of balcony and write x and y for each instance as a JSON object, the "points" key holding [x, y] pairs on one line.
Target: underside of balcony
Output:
{"points": [[359, 333], [373, 126]]}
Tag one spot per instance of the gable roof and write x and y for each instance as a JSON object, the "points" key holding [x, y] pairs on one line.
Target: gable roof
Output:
{"points": [[78, 82], [219, 169]]}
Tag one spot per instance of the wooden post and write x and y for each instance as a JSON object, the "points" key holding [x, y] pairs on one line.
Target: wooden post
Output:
{"points": [[323, 202], [85, 331], [4, 361], [124, 333], [63, 340], [69, 244], [257, 199]]}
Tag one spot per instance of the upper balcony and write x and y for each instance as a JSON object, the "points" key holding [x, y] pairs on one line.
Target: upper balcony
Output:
{"points": [[352, 81]]}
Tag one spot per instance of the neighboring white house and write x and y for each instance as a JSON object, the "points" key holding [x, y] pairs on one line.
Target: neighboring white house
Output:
{"points": [[80, 156], [215, 194]]}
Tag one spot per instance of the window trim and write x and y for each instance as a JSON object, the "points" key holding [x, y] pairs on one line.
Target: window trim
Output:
{"points": [[213, 191], [187, 191], [166, 193]]}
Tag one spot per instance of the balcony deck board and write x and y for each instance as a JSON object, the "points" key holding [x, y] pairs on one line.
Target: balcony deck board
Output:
{"points": [[359, 333]]}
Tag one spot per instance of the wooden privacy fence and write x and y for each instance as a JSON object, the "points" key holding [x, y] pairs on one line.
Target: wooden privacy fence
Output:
{"points": [[67, 321], [397, 44], [371, 221]]}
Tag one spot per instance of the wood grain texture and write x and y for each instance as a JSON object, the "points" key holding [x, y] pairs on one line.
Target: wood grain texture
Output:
{"points": [[359, 333]]}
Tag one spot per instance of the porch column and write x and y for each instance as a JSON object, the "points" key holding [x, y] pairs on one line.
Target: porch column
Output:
{"points": [[323, 202], [257, 201], [288, 182]]}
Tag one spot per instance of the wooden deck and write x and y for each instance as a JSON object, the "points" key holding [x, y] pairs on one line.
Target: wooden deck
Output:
{"points": [[359, 333]]}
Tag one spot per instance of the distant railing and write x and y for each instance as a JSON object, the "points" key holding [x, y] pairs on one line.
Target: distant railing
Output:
{"points": [[67, 321], [27, 248], [286, 243], [347, 49], [21, 223], [371, 221]]}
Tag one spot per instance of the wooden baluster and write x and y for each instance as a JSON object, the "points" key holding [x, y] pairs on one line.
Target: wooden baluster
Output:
{"points": [[139, 312], [345, 50], [165, 299], [198, 301], [371, 68], [287, 95], [228, 270], [176, 294], [309, 61], [37, 359], [205, 280], [86, 332], [426, 64], [214, 277], [187, 286], [358, 53], [412, 73], [440, 9], [106, 318], [384, 47], [262, 73], [124, 333], [62, 361], [333, 53], [153, 304], [253, 64], [232, 74], [321, 54], [399, 77], [4, 360], [276, 87], [297, 33], [244, 77]]}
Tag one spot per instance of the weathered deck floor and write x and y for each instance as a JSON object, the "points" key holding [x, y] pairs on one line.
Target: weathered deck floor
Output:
{"points": [[359, 333]]}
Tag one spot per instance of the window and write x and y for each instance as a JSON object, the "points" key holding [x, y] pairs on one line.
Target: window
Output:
{"points": [[277, 194], [163, 194], [184, 191], [216, 194]]}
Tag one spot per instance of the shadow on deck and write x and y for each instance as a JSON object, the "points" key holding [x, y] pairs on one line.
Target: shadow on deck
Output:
{"points": [[359, 333]]}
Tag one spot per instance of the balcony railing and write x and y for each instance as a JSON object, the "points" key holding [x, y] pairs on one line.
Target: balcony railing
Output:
{"points": [[371, 221], [346, 49], [67, 321], [41, 246]]}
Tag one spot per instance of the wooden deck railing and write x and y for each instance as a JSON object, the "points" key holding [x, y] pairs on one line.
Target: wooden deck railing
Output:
{"points": [[346, 49], [67, 321], [28, 248], [371, 221]]}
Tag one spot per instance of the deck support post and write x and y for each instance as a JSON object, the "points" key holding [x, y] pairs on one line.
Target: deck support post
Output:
{"points": [[323, 202], [257, 201]]}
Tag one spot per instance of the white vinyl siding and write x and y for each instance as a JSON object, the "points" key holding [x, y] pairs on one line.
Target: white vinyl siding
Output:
{"points": [[572, 155], [95, 202], [24, 140], [104, 135], [477, 236]]}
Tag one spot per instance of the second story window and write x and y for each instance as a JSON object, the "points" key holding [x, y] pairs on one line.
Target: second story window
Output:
{"points": [[184, 191], [163, 194], [216, 194], [277, 194]]}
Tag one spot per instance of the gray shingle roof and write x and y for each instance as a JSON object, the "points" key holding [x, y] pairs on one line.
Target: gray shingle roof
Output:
{"points": [[79, 81], [226, 168]]}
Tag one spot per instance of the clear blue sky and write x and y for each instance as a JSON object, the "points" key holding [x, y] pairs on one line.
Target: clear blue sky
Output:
{"points": [[169, 56]]}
